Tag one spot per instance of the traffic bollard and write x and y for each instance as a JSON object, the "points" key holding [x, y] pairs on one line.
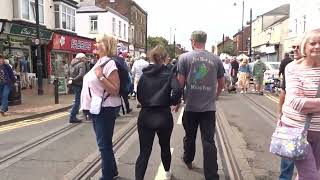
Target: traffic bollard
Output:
{"points": [[56, 90]]}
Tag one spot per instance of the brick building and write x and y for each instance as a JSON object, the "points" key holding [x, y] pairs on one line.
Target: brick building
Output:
{"points": [[137, 22], [237, 38]]}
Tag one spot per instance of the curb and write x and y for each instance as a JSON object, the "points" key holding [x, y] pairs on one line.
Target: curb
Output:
{"points": [[237, 144], [34, 116]]}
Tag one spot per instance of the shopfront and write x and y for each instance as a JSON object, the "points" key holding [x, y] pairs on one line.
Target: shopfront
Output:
{"points": [[63, 48], [19, 40]]}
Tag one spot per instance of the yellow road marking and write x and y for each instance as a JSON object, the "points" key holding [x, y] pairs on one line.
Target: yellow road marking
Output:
{"points": [[274, 99], [32, 122], [161, 174]]}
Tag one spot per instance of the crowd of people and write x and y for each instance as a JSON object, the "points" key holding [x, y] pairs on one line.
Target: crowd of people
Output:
{"points": [[199, 77]]}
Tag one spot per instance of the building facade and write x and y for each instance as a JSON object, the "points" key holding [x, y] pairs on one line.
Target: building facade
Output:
{"points": [[95, 20], [18, 37], [242, 44], [303, 18], [137, 22], [269, 32]]}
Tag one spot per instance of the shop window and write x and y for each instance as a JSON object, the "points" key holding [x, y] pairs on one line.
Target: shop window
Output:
{"points": [[64, 17], [28, 10], [93, 24]]}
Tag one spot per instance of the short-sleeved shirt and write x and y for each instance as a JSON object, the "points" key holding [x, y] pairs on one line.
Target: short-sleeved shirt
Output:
{"points": [[91, 81], [201, 70]]}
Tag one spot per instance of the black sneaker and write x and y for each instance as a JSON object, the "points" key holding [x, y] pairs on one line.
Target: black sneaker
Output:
{"points": [[75, 120], [189, 165]]}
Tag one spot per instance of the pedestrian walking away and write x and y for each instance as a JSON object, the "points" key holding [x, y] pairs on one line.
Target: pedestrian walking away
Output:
{"points": [[100, 96], [258, 70], [202, 73], [137, 72], [244, 76], [158, 89], [7, 79], [77, 70]]}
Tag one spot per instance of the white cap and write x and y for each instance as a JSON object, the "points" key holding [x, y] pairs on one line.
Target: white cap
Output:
{"points": [[143, 55], [80, 55]]}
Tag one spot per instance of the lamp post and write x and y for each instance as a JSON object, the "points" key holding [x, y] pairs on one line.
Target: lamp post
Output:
{"points": [[235, 4], [38, 54]]}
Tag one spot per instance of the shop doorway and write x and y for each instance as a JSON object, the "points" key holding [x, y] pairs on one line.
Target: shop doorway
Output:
{"points": [[43, 60]]}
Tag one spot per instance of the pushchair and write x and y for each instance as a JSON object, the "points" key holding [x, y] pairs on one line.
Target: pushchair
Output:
{"points": [[231, 84]]}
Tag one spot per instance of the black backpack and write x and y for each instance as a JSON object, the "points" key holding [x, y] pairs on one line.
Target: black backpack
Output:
{"points": [[123, 74]]}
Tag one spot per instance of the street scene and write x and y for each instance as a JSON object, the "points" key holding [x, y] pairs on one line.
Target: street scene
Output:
{"points": [[159, 90]]}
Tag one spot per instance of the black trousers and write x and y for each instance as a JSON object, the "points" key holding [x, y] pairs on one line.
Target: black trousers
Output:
{"points": [[207, 121], [153, 121]]}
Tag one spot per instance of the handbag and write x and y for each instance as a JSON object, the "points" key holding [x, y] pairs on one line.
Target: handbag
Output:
{"points": [[291, 142]]}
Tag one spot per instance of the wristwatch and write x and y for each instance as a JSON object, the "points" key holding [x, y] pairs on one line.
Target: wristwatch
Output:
{"points": [[101, 78]]}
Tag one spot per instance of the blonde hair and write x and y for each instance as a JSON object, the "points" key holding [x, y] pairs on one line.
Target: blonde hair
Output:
{"points": [[305, 40], [158, 54], [244, 61], [109, 44]]}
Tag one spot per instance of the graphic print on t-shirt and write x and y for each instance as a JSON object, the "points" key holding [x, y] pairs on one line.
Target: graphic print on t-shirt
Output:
{"points": [[200, 74]]}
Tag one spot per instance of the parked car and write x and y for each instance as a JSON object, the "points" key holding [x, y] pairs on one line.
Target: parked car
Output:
{"points": [[272, 71]]}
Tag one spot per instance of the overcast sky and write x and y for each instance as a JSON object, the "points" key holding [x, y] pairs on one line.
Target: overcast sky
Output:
{"points": [[212, 16]]}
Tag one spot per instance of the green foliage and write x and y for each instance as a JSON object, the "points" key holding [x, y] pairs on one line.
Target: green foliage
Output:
{"points": [[228, 49], [154, 41]]}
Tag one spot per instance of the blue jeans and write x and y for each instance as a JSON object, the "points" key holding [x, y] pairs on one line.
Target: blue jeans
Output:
{"points": [[286, 171], [103, 125], [76, 106], [4, 93]]}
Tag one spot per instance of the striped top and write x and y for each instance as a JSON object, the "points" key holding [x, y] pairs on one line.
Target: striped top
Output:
{"points": [[301, 85]]}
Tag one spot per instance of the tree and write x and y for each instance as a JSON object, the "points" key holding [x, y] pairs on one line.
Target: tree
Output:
{"points": [[153, 41], [228, 49]]}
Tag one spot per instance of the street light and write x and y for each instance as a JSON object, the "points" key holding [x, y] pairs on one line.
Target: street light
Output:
{"points": [[39, 63]]}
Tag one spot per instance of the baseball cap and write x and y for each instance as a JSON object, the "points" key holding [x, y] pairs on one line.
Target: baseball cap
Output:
{"points": [[80, 55]]}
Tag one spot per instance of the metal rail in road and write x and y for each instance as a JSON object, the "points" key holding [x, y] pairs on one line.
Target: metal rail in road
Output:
{"points": [[87, 171], [19, 152]]}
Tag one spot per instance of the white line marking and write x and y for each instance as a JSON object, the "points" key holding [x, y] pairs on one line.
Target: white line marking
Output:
{"points": [[161, 174], [180, 116]]}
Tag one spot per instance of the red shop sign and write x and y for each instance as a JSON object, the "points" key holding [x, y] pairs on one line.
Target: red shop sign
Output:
{"points": [[75, 44]]}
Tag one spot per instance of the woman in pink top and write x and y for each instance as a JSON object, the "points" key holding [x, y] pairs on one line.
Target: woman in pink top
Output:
{"points": [[102, 81], [302, 82]]}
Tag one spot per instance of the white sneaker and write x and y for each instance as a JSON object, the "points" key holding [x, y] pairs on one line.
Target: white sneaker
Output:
{"points": [[242, 92], [168, 175]]}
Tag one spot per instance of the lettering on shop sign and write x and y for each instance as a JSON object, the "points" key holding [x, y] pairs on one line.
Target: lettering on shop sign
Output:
{"points": [[79, 44]]}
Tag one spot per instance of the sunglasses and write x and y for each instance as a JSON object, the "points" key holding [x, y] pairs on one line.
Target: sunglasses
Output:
{"points": [[295, 47]]}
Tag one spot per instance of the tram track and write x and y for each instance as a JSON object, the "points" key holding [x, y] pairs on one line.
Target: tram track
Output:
{"points": [[91, 166], [260, 107], [19, 152]]}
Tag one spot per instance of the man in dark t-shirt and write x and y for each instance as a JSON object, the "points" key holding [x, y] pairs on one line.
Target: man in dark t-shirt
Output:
{"points": [[202, 73], [234, 70], [284, 63]]}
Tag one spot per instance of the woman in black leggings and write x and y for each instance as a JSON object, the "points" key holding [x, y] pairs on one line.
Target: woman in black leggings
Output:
{"points": [[158, 89]]}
